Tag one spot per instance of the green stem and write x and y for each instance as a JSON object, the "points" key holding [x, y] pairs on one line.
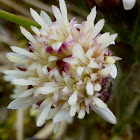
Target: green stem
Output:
{"points": [[18, 20]]}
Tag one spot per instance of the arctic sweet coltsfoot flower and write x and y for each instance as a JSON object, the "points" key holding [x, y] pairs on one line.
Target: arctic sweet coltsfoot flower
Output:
{"points": [[63, 69]]}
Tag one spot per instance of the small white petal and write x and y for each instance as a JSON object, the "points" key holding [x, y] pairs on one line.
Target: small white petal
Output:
{"points": [[35, 30], [108, 41], [97, 87], [78, 52], [98, 27], [128, 4], [73, 61], [56, 46], [27, 34], [99, 102], [93, 76], [15, 73], [27, 92], [40, 72], [22, 51], [37, 18], [81, 114], [61, 115], [46, 18], [56, 127], [106, 71], [9, 77], [103, 38], [22, 102], [113, 72], [57, 76], [43, 115], [89, 88], [53, 112], [53, 58], [73, 98], [77, 26], [105, 113], [93, 64], [44, 69], [69, 119], [73, 109], [17, 58], [24, 82], [63, 9], [80, 70], [110, 60], [90, 52], [57, 14], [90, 19], [49, 88]]}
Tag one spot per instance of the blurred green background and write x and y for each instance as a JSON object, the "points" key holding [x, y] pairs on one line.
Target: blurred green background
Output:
{"points": [[125, 90]]}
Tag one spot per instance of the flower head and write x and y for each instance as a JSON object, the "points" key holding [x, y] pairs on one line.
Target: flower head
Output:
{"points": [[62, 72]]}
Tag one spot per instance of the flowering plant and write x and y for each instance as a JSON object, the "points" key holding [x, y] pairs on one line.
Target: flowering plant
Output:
{"points": [[64, 69]]}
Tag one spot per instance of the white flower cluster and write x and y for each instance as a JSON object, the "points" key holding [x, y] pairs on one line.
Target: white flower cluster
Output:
{"points": [[62, 71]]}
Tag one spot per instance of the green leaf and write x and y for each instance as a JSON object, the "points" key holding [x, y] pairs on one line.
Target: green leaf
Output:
{"points": [[18, 20]]}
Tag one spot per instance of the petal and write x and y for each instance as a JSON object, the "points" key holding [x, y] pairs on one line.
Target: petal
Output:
{"points": [[57, 76], [69, 119], [73, 109], [106, 71], [53, 112], [22, 102], [17, 58], [56, 46], [73, 61], [61, 115], [24, 82], [105, 113], [45, 70], [63, 9], [73, 98], [93, 64], [128, 4], [90, 19], [98, 27], [90, 52], [49, 88], [57, 14], [37, 18], [108, 41], [103, 38], [113, 72], [53, 58], [97, 87], [99, 102], [27, 92], [56, 127], [22, 51], [80, 70], [93, 76], [81, 114], [40, 72], [15, 73], [78, 52], [27, 34], [35, 30], [89, 88], [46, 18], [43, 115]]}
